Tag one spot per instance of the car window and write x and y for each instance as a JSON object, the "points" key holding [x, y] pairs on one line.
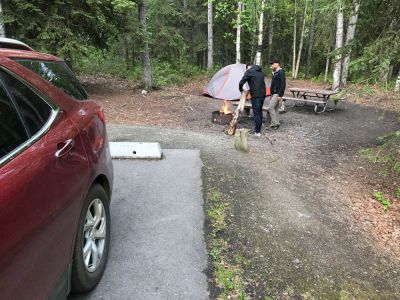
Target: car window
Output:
{"points": [[34, 110], [12, 131], [58, 74]]}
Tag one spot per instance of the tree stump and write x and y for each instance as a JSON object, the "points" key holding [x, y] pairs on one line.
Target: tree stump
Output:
{"points": [[241, 137]]}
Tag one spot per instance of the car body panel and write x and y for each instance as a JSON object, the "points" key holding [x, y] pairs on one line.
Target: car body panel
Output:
{"points": [[41, 196], [11, 53]]}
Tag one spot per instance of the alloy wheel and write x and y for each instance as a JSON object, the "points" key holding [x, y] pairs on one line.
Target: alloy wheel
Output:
{"points": [[94, 233]]}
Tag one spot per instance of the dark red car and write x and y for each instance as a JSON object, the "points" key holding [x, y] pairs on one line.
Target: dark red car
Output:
{"points": [[56, 180]]}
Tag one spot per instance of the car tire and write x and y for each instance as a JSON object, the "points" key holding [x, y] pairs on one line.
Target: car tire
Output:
{"points": [[91, 250]]}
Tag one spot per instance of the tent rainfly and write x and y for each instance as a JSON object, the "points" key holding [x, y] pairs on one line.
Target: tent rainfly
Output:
{"points": [[225, 83]]}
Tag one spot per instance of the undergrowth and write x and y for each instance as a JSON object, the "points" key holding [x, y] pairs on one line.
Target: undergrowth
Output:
{"points": [[382, 200], [387, 155], [226, 269], [163, 73]]}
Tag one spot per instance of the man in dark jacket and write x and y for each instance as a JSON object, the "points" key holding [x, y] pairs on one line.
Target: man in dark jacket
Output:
{"points": [[278, 85], [256, 80]]}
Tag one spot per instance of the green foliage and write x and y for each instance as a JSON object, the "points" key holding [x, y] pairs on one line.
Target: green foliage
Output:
{"points": [[177, 34], [376, 59], [227, 276], [385, 202], [105, 62], [63, 27], [165, 73], [397, 193], [387, 153]]}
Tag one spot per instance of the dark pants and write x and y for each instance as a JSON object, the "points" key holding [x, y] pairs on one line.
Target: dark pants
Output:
{"points": [[257, 104]]}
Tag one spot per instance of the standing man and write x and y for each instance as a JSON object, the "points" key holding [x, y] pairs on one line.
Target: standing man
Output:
{"points": [[278, 85], [256, 79]]}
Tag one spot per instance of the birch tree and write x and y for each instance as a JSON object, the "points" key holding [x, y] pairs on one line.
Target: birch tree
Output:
{"points": [[271, 29], [210, 58], [146, 65], [338, 46], [301, 40], [257, 60], [327, 64], [2, 29], [294, 38], [311, 38], [397, 87], [351, 29], [238, 32]]}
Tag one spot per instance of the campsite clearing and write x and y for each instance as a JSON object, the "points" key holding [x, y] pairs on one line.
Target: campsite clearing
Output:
{"points": [[302, 217]]}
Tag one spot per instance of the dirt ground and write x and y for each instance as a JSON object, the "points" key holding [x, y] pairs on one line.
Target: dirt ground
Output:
{"points": [[303, 211]]}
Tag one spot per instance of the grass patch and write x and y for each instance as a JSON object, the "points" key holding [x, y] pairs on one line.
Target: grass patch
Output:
{"points": [[227, 272], [382, 200], [224, 263]]}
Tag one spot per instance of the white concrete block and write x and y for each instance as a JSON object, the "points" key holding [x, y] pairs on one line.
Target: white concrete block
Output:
{"points": [[133, 150]]}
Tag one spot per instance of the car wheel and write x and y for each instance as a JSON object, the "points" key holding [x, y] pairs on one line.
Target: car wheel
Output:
{"points": [[92, 241]]}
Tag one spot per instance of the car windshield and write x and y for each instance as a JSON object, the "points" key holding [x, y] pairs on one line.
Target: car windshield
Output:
{"points": [[58, 74]]}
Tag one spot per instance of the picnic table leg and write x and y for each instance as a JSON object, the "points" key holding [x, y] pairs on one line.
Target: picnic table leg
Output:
{"points": [[334, 104], [324, 106]]}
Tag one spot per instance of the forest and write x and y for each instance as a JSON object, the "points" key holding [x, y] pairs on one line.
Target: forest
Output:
{"points": [[170, 40]]}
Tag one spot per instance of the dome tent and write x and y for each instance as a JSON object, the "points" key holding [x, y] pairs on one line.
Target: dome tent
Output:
{"points": [[225, 83]]}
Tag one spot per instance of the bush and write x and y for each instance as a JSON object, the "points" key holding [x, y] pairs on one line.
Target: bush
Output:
{"points": [[164, 73], [387, 153]]}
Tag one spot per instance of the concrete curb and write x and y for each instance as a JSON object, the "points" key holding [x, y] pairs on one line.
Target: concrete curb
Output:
{"points": [[132, 150]]}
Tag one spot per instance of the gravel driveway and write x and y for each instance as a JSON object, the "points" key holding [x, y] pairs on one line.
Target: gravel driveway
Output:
{"points": [[291, 215]]}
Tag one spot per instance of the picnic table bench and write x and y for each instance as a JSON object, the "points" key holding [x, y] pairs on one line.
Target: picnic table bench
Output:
{"points": [[318, 97]]}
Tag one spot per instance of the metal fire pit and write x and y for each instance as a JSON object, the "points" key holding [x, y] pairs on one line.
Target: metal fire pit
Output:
{"points": [[222, 119]]}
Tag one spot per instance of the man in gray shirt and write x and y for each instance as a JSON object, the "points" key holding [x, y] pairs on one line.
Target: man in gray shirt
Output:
{"points": [[278, 85]]}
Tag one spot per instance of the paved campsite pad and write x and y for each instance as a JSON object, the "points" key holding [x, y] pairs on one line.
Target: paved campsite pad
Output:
{"points": [[157, 242]]}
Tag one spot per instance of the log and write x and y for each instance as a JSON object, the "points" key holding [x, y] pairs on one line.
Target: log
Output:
{"points": [[232, 126], [241, 137]]}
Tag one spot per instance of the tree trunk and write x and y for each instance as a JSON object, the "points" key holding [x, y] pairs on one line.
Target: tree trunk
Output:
{"points": [[257, 60], [339, 43], [390, 72], [133, 56], [238, 32], [294, 38], [210, 60], [271, 30], [147, 80], [311, 38], [301, 40], [351, 29], [127, 58], [327, 68], [2, 29], [397, 87]]}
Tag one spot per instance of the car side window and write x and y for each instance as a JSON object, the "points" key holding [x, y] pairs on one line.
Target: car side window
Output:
{"points": [[58, 74], [12, 130], [34, 110]]}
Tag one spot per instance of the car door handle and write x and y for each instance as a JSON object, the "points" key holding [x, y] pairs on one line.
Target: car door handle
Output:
{"points": [[64, 148]]}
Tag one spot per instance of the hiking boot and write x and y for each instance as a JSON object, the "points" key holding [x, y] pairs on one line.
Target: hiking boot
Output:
{"points": [[257, 134], [275, 127]]}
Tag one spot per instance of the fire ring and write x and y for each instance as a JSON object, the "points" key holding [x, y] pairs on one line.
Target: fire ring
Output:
{"points": [[220, 118]]}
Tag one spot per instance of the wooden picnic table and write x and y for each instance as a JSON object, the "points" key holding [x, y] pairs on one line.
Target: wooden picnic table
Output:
{"points": [[320, 98]]}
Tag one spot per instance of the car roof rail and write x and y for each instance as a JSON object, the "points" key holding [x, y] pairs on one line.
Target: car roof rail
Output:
{"points": [[13, 44]]}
